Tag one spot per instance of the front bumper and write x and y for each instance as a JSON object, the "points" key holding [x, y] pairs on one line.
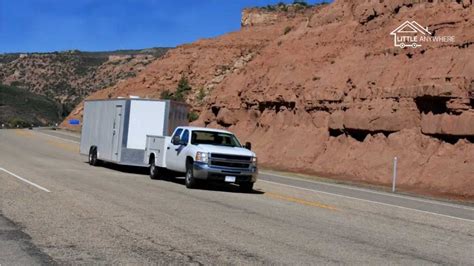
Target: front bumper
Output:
{"points": [[218, 173]]}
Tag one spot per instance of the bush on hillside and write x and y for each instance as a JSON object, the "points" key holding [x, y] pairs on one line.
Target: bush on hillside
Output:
{"points": [[193, 116], [182, 91]]}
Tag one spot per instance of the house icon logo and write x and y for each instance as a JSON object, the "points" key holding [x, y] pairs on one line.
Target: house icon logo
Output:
{"points": [[410, 34]]}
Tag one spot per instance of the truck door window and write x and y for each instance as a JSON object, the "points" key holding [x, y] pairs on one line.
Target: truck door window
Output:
{"points": [[185, 137], [176, 133]]}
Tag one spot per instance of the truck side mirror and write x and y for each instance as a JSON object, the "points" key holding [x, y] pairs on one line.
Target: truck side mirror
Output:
{"points": [[176, 140], [248, 146]]}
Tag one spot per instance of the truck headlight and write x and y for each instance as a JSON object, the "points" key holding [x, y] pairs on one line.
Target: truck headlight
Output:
{"points": [[254, 161], [202, 157]]}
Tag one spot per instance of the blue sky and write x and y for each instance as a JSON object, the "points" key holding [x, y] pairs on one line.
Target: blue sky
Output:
{"points": [[99, 25]]}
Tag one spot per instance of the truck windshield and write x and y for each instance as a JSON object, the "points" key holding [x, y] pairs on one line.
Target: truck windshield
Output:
{"points": [[214, 138]]}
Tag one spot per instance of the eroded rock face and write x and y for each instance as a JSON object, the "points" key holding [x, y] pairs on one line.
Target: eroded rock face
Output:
{"points": [[252, 17], [445, 124], [333, 95]]}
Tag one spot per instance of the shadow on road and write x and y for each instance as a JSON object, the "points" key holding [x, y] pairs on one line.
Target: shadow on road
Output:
{"points": [[171, 177], [124, 168]]}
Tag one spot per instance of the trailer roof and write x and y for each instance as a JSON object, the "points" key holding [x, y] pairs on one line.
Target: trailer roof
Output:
{"points": [[125, 99], [133, 99]]}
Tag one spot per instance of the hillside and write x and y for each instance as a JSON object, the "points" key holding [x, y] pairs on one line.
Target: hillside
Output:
{"points": [[20, 107], [323, 90], [68, 77]]}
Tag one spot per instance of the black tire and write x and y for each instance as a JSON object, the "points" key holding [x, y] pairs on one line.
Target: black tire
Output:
{"points": [[155, 172], [189, 180], [93, 156], [246, 187]]}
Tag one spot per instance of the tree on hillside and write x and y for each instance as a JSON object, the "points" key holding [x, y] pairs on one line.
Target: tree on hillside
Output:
{"points": [[181, 92], [300, 2]]}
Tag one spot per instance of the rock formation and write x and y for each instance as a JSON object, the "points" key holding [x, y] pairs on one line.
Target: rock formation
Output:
{"points": [[323, 90]]}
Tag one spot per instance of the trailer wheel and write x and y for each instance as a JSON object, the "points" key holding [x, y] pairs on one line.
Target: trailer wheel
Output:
{"points": [[154, 170], [189, 180], [93, 156], [246, 187]]}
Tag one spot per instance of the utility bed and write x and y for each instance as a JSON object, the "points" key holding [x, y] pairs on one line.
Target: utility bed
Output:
{"points": [[156, 145]]}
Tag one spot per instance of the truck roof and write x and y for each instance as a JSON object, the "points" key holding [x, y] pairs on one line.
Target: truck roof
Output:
{"points": [[205, 129]]}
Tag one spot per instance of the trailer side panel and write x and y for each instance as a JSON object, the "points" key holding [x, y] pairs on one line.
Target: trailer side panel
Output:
{"points": [[103, 128]]}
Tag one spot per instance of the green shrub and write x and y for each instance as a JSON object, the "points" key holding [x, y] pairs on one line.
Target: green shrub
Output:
{"points": [[166, 95], [18, 122], [200, 96], [192, 116], [300, 2], [270, 8], [181, 92]]}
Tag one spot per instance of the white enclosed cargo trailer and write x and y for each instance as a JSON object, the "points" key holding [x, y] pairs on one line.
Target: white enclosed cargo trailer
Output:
{"points": [[115, 130]]}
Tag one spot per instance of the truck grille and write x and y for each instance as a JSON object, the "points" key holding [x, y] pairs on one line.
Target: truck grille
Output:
{"points": [[230, 157], [229, 164], [233, 161]]}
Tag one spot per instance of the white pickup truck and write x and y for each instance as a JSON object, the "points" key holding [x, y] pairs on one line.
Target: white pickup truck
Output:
{"points": [[202, 154]]}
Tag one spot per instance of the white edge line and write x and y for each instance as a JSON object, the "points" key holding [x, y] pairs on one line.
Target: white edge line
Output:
{"points": [[370, 191], [56, 137], [25, 180], [59, 132], [376, 202]]}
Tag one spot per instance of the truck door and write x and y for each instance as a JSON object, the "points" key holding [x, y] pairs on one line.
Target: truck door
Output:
{"points": [[116, 133], [181, 155], [172, 149]]}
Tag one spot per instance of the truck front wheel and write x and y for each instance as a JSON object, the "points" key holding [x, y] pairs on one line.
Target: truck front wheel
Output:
{"points": [[246, 187], [189, 181]]}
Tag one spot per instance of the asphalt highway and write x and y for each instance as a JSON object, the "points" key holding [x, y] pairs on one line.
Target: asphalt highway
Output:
{"points": [[55, 208]]}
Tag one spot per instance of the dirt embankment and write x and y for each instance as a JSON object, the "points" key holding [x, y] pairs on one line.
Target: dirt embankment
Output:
{"points": [[323, 90]]}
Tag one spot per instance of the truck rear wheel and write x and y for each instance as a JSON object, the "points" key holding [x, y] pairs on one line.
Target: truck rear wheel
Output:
{"points": [[155, 172], [93, 156], [189, 180], [246, 187]]}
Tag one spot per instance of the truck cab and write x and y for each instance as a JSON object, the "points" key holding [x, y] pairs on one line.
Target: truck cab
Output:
{"points": [[204, 154]]}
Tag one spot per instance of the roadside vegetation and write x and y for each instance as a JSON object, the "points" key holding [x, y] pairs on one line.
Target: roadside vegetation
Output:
{"points": [[296, 5], [180, 95], [181, 92], [21, 108]]}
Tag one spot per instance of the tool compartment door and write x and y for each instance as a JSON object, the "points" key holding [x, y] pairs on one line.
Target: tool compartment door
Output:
{"points": [[156, 145]]}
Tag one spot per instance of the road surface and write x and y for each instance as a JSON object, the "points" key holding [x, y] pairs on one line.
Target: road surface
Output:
{"points": [[55, 208]]}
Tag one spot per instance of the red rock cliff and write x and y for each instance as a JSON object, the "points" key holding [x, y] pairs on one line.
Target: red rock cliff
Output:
{"points": [[323, 90]]}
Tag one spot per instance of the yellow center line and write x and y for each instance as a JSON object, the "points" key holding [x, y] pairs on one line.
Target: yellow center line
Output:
{"points": [[59, 144], [23, 132], [65, 146], [300, 201]]}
